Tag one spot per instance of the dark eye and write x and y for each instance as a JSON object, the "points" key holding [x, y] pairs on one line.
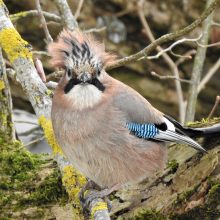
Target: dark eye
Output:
{"points": [[98, 71], [69, 73]]}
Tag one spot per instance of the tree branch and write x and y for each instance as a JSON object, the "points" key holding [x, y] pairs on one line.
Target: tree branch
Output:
{"points": [[198, 67], [23, 14], [67, 17], [6, 118], [208, 76], [162, 51], [43, 22], [79, 7], [169, 61], [166, 38], [217, 101], [169, 77]]}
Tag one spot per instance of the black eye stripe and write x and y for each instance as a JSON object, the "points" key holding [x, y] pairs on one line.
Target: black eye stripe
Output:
{"points": [[98, 84], [71, 84], [74, 81]]}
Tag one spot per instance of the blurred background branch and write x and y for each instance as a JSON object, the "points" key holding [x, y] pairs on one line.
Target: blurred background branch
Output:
{"points": [[198, 67]]}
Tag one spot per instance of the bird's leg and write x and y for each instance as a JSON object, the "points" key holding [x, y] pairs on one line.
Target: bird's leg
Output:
{"points": [[88, 186], [95, 192]]}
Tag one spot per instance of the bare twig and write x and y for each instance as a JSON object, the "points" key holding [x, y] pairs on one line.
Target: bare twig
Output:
{"points": [[217, 101], [162, 51], [40, 53], [215, 23], [79, 7], [182, 59], [26, 122], [184, 56], [170, 77], [54, 75], [30, 131], [169, 61], [209, 75], [166, 38], [198, 67], [95, 30], [67, 17], [43, 22], [24, 14], [208, 45], [34, 141]]}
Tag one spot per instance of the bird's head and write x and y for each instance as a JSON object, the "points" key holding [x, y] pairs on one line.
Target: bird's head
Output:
{"points": [[81, 56], [84, 59]]}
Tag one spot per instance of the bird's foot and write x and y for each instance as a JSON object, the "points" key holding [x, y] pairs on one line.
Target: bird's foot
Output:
{"points": [[90, 185], [91, 192]]}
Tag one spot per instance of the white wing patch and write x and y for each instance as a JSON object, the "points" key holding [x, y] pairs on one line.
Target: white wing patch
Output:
{"points": [[170, 125]]}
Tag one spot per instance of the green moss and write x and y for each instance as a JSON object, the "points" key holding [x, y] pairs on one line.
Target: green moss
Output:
{"points": [[25, 182], [204, 122], [183, 197], [49, 190], [144, 214], [209, 208], [213, 195], [173, 165]]}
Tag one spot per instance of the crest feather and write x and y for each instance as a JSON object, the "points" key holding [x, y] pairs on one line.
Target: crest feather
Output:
{"points": [[76, 44]]}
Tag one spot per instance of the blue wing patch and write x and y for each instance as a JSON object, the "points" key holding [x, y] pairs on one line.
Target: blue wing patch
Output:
{"points": [[145, 131]]}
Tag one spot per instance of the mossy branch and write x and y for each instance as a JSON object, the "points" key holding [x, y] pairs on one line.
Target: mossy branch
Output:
{"points": [[6, 122], [19, 54]]}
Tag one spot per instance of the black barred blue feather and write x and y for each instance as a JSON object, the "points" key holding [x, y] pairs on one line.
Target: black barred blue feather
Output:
{"points": [[151, 131], [145, 131]]}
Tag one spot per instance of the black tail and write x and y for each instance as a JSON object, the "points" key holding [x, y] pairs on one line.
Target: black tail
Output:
{"points": [[196, 132]]}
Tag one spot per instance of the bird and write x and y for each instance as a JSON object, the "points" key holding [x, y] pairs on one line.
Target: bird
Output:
{"points": [[106, 129]]}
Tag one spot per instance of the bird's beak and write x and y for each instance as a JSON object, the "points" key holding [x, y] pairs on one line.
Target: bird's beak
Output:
{"points": [[84, 77]]}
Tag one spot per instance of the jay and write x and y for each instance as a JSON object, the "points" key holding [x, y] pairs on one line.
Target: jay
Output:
{"points": [[107, 130]]}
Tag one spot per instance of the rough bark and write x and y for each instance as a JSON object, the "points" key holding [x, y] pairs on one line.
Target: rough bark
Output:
{"points": [[6, 122]]}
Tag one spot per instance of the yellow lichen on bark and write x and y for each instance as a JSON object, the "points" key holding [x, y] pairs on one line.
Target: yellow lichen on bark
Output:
{"points": [[73, 182], [49, 134], [2, 85], [13, 45], [100, 206]]}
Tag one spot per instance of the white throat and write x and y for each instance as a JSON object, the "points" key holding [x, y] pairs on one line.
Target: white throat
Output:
{"points": [[84, 96]]}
